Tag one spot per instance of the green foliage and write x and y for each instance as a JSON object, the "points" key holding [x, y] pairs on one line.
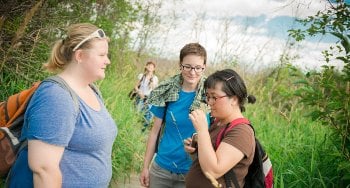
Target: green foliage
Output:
{"points": [[128, 148], [327, 91], [22, 55], [302, 153], [22, 59]]}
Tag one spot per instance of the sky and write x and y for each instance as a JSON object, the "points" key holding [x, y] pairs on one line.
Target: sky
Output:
{"points": [[249, 32]]}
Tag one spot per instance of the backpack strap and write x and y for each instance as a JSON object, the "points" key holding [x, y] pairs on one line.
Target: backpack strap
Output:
{"points": [[61, 82], [230, 126], [54, 79], [162, 128], [96, 90], [58, 80], [230, 175], [141, 80]]}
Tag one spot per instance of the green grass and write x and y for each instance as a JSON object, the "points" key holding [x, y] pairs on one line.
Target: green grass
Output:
{"points": [[301, 151], [304, 153], [128, 148]]}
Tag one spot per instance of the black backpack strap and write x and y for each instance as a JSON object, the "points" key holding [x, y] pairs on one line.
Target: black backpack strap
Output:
{"points": [[96, 90], [229, 177], [162, 127]]}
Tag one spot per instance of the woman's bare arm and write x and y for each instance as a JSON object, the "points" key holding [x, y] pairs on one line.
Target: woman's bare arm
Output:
{"points": [[44, 160]]}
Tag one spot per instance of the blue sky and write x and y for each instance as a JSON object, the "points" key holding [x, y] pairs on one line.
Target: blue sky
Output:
{"points": [[278, 26], [251, 32]]}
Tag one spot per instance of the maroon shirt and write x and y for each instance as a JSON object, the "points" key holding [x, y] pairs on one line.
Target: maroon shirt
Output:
{"points": [[241, 137]]}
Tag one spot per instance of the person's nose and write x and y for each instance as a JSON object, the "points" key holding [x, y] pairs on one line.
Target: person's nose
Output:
{"points": [[193, 71], [108, 61]]}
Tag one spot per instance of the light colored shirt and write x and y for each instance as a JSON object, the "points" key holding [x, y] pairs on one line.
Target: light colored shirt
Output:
{"points": [[145, 86]]}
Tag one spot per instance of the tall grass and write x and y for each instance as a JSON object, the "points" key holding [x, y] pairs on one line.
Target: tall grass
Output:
{"points": [[128, 148], [302, 151]]}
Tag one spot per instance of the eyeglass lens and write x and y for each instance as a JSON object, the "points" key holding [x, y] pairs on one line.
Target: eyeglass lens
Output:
{"points": [[101, 33], [189, 68]]}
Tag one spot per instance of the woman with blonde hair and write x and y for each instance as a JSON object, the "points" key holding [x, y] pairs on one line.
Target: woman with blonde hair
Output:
{"points": [[68, 147]]}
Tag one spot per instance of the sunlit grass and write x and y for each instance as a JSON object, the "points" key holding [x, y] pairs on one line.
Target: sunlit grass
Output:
{"points": [[303, 152]]}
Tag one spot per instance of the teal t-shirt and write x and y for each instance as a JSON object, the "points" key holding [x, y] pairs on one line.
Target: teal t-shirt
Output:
{"points": [[86, 135], [178, 126]]}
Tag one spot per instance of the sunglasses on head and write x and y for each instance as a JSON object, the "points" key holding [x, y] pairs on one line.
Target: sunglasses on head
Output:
{"points": [[99, 33]]}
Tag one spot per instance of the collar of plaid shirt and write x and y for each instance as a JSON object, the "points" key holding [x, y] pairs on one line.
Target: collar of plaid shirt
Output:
{"points": [[168, 91]]}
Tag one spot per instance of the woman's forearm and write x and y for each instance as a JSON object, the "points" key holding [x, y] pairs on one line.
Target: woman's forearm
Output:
{"points": [[206, 154], [47, 178], [151, 143]]}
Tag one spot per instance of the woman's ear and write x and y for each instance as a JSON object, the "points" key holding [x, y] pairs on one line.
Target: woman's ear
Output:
{"points": [[234, 101], [78, 56]]}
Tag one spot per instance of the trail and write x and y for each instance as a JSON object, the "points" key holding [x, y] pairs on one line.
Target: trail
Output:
{"points": [[133, 183]]}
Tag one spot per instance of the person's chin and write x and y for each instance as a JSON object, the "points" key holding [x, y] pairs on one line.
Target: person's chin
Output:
{"points": [[101, 76], [192, 80]]}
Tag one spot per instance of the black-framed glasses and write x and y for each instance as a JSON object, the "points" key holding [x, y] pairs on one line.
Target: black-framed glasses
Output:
{"points": [[188, 68], [99, 33], [208, 98]]}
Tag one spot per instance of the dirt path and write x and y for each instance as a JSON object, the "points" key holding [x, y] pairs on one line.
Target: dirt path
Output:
{"points": [[134, 183]]}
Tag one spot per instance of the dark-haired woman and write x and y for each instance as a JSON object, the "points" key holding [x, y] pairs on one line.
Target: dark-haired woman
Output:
{"points": [[226, 94]]}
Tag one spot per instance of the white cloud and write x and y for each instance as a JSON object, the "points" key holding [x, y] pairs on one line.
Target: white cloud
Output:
{"points": [[208, 22], [271, 8]]}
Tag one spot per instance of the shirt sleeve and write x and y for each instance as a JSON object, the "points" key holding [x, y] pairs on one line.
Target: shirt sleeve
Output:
{"points": [[242, 138], [51, 115], [139, 77], [158, 111]]}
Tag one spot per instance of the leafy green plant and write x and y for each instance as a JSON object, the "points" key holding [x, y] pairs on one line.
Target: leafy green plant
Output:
{"points": [[328, 91]]}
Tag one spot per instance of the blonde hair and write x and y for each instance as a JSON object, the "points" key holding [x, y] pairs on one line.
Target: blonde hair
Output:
{"points": [[62, 51]]}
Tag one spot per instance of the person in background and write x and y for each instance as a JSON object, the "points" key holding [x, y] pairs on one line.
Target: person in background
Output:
{"points": [[171, 102], [146, 82], [66, 147], [226, 94]]}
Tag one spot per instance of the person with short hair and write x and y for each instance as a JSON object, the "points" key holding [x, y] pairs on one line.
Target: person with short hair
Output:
{"points": [[226, 95], [69, 147], [171, 102]]}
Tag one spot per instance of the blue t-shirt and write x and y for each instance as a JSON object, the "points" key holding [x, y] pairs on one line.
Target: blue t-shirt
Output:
{"points": [[86, 135], [178, 126]]}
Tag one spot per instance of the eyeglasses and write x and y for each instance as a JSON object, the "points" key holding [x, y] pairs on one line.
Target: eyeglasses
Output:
{"points": [[207, 98], [99, 33], [189, 68]]}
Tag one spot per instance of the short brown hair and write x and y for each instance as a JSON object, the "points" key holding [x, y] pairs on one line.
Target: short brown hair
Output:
{"points": [[193, 49]]}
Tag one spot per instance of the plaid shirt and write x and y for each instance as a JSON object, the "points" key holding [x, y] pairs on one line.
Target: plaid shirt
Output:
{"points": [[168, 91]]}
